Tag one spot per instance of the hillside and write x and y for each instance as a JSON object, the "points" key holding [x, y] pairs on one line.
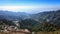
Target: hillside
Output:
{"points": [[52, 17], [32, 22]]}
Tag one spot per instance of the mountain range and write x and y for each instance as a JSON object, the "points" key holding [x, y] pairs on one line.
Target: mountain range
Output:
{"points": [[30, 20]]}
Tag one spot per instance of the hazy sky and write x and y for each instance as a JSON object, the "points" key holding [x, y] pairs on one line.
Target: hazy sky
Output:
{"points": [[29, 6]]}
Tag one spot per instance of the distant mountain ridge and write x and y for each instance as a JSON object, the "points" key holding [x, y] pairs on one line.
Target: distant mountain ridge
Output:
{"points": [[31, 20], [22, 15], [13, 15]]}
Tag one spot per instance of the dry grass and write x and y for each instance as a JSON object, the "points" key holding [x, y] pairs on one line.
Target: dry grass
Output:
{"points": [[54, 32]]}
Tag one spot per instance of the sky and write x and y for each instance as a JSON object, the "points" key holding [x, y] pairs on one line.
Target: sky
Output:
{"points": [[29, 6]]}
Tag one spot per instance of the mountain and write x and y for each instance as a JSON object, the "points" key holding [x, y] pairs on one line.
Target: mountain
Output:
{"points": [[32, 22], [13, 15], [52, 17]]}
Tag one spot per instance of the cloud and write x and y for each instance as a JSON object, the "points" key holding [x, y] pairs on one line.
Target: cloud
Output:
{"points": [[29, 9], [13, 8]]}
